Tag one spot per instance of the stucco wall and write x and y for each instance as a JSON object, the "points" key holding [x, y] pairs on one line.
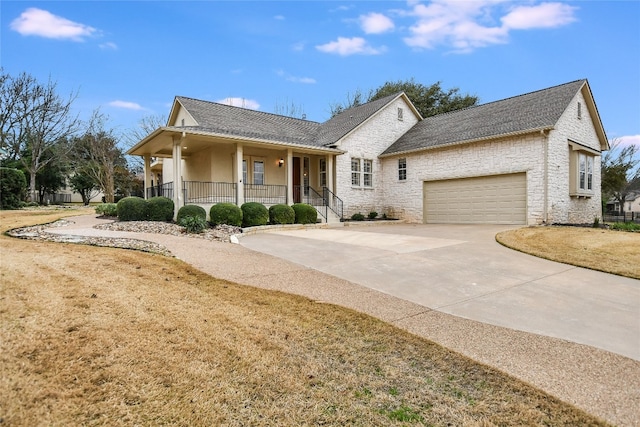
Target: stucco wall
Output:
{"points": [[367, 142], [403, 199]]}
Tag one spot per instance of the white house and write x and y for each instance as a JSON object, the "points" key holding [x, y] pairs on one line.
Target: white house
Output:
{"points": [[529, 159]]}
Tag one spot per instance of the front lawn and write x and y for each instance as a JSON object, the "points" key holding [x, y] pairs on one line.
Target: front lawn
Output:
{"points": [[611, 251], [102, 336]]}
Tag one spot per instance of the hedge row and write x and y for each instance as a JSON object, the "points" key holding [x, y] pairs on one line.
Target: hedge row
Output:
{"points": [[250, 214], [139, 209]]}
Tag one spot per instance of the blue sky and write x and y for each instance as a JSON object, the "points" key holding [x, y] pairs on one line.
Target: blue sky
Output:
{"points": [[130, 58]]}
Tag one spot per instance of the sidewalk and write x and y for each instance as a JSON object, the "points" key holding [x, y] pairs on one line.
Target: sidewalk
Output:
{"points": [[599, 382]]}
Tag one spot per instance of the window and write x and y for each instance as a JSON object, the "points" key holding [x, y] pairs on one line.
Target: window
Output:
{"points": [[402, 169], [367, 173], [579, 110], [400, 114], [361, 173], [244, 172], [258, 172], [305, 175], [581, 169], [355, 172], [323, 172]]}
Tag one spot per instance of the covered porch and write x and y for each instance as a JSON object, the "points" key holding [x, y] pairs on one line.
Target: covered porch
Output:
{"points": [[211, 169]]}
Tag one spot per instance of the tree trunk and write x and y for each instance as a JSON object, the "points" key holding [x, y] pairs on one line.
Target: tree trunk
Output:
{"points": [[33, 191]]}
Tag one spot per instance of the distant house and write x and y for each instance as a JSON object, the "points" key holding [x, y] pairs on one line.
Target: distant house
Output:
{"points": [[631, 203], [530, 159]]}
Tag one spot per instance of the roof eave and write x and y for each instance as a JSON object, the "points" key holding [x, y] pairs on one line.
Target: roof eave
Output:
{"points": [[238, 138], [468, 141], [593, 111]]}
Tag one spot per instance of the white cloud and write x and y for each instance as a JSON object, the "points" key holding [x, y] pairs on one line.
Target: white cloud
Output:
{"points": [[126, 105], [628, 140], [279, 18], [240, 102], [295, 79], [38, 22], [472, 24], [545, 15], [109, 46], [350, 46], [376, 23]]}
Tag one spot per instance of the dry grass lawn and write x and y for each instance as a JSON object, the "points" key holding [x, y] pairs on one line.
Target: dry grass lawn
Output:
{"points": [[616, 252], [100, 336]]}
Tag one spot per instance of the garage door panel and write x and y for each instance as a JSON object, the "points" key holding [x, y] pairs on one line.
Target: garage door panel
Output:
{"points": [[496, 199]]}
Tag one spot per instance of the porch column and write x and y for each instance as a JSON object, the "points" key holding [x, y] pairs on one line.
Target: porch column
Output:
{"points": [[288, 170], [147, 173], [330, 173], [238, 179], [178, 198]]}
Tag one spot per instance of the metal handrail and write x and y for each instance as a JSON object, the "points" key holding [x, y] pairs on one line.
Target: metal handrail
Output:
{"points": [[333, 202]]}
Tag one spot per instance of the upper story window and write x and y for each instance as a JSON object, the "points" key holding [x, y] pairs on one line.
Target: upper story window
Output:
{"points": [[579, 110], [400, 114], [402, 169]]}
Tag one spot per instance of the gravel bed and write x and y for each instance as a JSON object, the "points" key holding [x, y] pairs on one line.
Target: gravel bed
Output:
{"points": [[221, 233]]}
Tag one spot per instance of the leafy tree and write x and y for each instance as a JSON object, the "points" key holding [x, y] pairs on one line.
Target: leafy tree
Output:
{"points": [[620, 172], [428, 100], [82, 183], [51, 177], [34, 117]]}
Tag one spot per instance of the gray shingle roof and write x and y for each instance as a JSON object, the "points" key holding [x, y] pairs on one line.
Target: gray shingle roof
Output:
{"points": [[235, 121], [531, 111]]}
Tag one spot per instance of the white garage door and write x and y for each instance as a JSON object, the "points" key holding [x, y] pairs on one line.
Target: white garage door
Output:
{"points": [[497, 199]]}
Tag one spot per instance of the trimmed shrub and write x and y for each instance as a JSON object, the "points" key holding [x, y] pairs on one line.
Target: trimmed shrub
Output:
{"points": [[194, 224], [13, 188], [281, 214], [357, 217], [160, 209], [254, 214], [305, 214], [373, 215], [132, 209], [192, 211], [226, 213], [107, 209]]}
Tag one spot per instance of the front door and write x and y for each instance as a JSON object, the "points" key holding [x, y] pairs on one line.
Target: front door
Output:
{"points": [[297, 193]]}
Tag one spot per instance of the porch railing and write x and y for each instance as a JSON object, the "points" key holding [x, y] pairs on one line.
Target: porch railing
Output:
{"points": [[333, 202], [209, 192], [199, 192], [322, 202]]}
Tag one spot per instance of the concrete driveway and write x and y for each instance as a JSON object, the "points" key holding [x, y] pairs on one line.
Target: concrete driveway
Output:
{"points": [[461, 270]]}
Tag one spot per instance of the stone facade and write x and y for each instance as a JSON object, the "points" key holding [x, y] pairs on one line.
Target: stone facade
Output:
{"points": [[366, 143]]}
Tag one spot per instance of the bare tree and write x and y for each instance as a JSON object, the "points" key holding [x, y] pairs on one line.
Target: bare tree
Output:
{"points": [[290, 110], [620, 171], [98, 151], [146, 125], [34, 119]]}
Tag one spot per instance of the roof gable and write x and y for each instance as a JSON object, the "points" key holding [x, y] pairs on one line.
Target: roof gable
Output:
{"points": [[341, 125], [520, 114]]}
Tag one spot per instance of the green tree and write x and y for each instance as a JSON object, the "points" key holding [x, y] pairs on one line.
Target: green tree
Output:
{"points": [[428, 100], [51, 177], [620, 172], [82, 183]]}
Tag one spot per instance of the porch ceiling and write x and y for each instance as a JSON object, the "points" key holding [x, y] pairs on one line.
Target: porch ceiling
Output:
{"points": [[160, 143]]}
